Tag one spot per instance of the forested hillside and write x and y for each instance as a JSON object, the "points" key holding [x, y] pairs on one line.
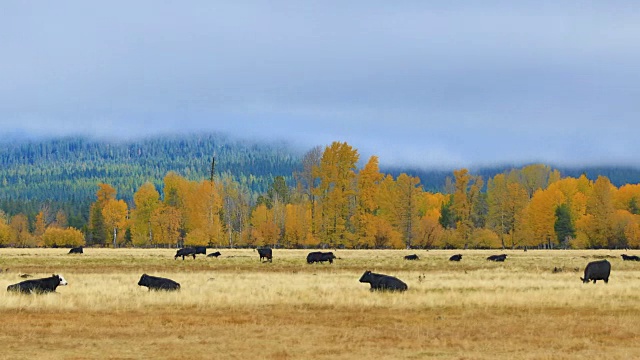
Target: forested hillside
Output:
{"points": [[64, 173]]}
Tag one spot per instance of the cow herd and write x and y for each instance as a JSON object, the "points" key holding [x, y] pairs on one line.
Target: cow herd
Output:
{"points": [[595, 270]]}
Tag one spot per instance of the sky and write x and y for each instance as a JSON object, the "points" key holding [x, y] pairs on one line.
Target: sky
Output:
{"points": [[423, 83]]}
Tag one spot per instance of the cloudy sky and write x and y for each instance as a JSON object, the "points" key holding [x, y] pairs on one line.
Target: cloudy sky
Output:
{"points": [[426, 83]]}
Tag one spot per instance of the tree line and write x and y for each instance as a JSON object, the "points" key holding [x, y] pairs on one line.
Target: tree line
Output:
{"points": [[64, 172], [334, 203]]}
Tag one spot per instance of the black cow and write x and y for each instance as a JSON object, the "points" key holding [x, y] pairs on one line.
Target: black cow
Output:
{"points": [[265, 253], [76, 250], [318, 256], [383, 282], [201, 250], [44, 285], [626, 257], [597, 270], [412, 257], [188, 251], [500, 258], [215, 254], [158, 283], [456, 257]]}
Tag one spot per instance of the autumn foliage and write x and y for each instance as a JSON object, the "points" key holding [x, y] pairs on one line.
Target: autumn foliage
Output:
{"points": [[336, 204]]}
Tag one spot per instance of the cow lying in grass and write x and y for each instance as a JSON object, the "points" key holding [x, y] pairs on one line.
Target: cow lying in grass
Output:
{"points": [[626, 257], [383, 282], [38, 286], [158, 283]]}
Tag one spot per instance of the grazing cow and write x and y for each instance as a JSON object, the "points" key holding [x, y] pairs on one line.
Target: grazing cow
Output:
{"points": [[412, 257], [158, 283], [626, 257], [215, 254], [201, 250], [383, 282], [318, 256], [188, 251], [597, 270], [76, 250], [39, 286], [499, 258], [265, 253], [456, 257]]}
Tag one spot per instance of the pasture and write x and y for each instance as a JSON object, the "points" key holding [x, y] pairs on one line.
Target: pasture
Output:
{"points": [[235, 307]]}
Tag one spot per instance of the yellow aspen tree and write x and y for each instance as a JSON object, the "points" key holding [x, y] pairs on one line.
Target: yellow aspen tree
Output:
{"points": [[431, 203], [384, 235], [585, 236], [55, 236], [600, 205], [203, 206], [297, 225], [429, 231], [575, 198], [307, 183], [542, 215], [506, 200], [535, 177], [625, 228], [40, 227], [485, 239], [264, 228], [5, 233], [146, 200], [627, 197], [236, 210], [632, 232], [462, 205], [105, 193], [336, 192], [387, 195], [409, 193], [174, 189], [98, 233], [21, 237], [368, 188], [165, 224], [175, 192], [115, 213]]}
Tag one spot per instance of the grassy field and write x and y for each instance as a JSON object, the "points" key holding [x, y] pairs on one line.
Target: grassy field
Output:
{"points": [[235, 307]]}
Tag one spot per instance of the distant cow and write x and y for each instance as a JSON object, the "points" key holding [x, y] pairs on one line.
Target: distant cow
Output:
{"points": [[44, 285], [383, 282], [76, 250], [265, 253], [626, 257], [158, 283], [201, 250], [188, 251], [318, 256], [412, 257], [215, 254], [500, 258], [456, 257], [597, 270]]}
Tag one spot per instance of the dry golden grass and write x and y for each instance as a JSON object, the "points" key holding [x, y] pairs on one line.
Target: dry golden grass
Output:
{"points": [[235, 307]]}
